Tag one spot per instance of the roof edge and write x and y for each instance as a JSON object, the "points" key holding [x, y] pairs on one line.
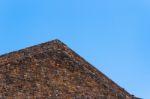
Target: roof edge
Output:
{"points": [[16, 51]]}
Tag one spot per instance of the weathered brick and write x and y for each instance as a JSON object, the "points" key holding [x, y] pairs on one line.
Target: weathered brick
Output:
{"points": [[53, 71]]}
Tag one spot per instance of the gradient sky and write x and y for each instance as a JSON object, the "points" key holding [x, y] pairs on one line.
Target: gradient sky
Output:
{"points": [[113, 35]]}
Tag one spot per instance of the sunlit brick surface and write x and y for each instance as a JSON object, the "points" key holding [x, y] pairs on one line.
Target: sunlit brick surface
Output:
{"points": [[53, 71]]}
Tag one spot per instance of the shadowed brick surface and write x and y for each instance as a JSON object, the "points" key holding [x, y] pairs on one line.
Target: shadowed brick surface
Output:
{"points": [[53, 71]]}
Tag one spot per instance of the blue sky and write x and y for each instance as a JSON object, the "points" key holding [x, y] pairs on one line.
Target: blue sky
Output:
{"points": [[113, 35]]}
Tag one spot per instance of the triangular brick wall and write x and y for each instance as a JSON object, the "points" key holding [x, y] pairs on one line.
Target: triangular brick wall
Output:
{"points": [[53, 71]]}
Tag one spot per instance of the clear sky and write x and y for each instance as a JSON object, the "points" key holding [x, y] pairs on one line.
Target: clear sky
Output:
{"points": [[113, 35]]}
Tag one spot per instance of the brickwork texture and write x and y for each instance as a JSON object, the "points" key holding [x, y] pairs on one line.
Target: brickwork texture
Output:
{"points": [[53, 71]]}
